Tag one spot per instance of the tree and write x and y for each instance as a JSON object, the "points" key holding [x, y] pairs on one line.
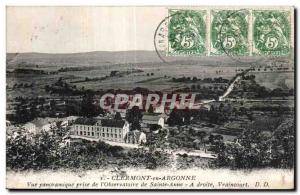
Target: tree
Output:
{"points": [[193, 87], [151, 109], [88, 109], [38, 153], [175, 118], [259, 149], [201, 135], [134, 117], [283, 145], [221, 107], [118, 116], [22, 115], [33, 111], [194, 79]]}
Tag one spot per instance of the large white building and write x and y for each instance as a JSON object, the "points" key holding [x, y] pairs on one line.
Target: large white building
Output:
{"points": [[102, 129]]}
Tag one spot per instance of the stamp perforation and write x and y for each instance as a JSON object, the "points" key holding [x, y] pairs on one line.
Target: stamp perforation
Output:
{"points": [[246, 19]]}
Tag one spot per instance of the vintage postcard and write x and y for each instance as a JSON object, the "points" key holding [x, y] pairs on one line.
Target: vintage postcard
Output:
{"points": [[150, 98]]}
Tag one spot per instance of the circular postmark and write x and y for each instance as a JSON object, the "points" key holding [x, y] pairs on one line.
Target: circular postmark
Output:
{"points": [[161, 40], [232, 37], [181, 36]]}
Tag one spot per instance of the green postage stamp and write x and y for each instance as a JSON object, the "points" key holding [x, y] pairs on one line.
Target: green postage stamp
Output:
{"points": [[271, 32], [237, 32], [229, 32], [187, 32]]}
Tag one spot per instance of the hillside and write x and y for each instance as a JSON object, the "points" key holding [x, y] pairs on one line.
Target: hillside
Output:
{"points": [[102, 58], [89, 58]]}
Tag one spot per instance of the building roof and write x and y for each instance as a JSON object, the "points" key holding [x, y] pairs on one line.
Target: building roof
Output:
{"points": [[71, 117], [103, 122], [86, 121], [151, 118], [112, 123], [38, 122]]}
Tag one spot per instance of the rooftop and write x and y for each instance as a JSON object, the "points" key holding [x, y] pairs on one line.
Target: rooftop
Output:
{"points": [[40, 122], [86, 121], [112, 123], [151, 117], [103, 122]]}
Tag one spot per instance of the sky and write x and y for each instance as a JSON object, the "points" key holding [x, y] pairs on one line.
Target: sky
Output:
{"points": [[81, 29]]}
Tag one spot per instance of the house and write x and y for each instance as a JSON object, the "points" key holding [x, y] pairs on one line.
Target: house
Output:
{"points": [[10, 114], [159, 109], [68, 120], [67, 141], [36, 126], [8, 123], [30, 127], [40, 124], [10, 127], [150, 119], [102, 129], [135, 137]]}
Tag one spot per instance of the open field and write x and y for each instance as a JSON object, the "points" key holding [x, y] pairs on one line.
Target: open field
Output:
{"points": [[135, 69], [274, 80]]}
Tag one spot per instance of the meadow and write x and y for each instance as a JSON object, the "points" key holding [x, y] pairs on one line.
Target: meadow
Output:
{"points": [[123, 70]]}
